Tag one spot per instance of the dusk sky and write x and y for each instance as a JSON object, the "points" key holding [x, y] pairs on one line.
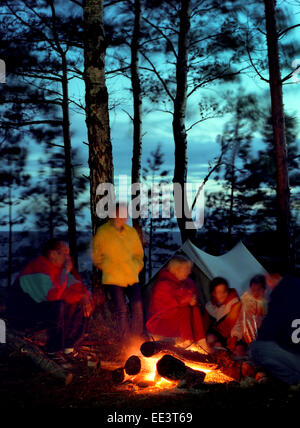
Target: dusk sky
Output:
{"points": [[157, 125]]}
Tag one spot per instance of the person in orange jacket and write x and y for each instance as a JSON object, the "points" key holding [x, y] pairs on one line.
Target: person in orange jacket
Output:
{"points": [[118, 253]]}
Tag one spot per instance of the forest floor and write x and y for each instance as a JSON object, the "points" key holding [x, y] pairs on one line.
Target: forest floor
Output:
{"points": [[24, 385]]}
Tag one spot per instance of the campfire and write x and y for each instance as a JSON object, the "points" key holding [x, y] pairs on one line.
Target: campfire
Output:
{"points": [[158, 366]]}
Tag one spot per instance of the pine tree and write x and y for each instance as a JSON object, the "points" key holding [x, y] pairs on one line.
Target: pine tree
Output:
{"points": [[47, 198], [13, 181], [158, 228]]}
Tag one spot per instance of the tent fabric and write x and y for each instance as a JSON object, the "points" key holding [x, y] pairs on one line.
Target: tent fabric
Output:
{"points": [[238, 266]]}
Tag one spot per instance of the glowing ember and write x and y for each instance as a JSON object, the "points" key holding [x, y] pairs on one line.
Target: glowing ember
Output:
{"points": [[212, 375], [148, 379], [149, 374], [150, 368]]}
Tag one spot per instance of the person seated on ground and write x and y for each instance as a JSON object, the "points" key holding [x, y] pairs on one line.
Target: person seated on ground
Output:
{"points": [[49, 292], [173, 310], [214, 341], [277, 347], [240, 350], [254, 308], [222, 311]]}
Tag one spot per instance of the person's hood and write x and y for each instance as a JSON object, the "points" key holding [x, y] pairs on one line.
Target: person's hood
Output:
{"points": [[166, 275]]}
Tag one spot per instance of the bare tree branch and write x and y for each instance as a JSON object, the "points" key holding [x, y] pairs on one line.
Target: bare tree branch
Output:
{"points": [[79, 3], [201, 120], [54, 29], [112, 2], [155, 71], [118, 70], [288, 76], [218, 163], [255, 68], [215, 77], [29, 101], [129, 115], [33, 122], [163, 35], [35, 76], [33, 28], [286, 30], [54, 145]]}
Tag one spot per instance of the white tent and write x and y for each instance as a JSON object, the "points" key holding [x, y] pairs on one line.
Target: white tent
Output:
{"points": [[238, 266]]}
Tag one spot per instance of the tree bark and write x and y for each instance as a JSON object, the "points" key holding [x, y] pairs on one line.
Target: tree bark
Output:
{"points": [[280, 149], [96, 98], [179, 116], [150, 247], [235, 150], [51, 213], [66, 134], [137, 102], [68, 164], [10, 240]]}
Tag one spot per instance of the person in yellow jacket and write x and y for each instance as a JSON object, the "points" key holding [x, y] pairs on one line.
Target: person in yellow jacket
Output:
{"points": [[118, 253]]}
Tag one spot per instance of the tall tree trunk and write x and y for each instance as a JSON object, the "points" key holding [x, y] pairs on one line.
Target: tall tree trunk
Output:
{"points": [[10, 240], [150, 247], [97, 116], [283, 192], [67, 137], [179, 129], [96, 98], [68, 164], [231, 202], [137, 101], [137, 116], [51, 213], [235, 149]]}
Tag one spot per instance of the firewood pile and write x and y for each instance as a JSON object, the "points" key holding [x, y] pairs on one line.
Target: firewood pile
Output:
{"points": [[157, 366], [161, 365]]}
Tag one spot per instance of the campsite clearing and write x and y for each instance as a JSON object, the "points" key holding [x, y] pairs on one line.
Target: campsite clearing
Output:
{"points": [[23, 385]]}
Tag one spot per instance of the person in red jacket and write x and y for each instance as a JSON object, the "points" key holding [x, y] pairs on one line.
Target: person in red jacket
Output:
{"points": [[173, 309], [50, 293]]}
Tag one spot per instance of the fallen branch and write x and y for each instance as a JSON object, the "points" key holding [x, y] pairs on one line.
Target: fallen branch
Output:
{"points": [[16, 342]]}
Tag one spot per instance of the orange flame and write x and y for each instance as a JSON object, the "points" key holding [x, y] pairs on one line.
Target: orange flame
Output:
{"points": [[149, 375]]}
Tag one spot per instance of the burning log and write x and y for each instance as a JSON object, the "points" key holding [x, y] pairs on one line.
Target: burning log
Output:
{"points": [[132, 367], [118, 375], [148, 349], [172, 369]]}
